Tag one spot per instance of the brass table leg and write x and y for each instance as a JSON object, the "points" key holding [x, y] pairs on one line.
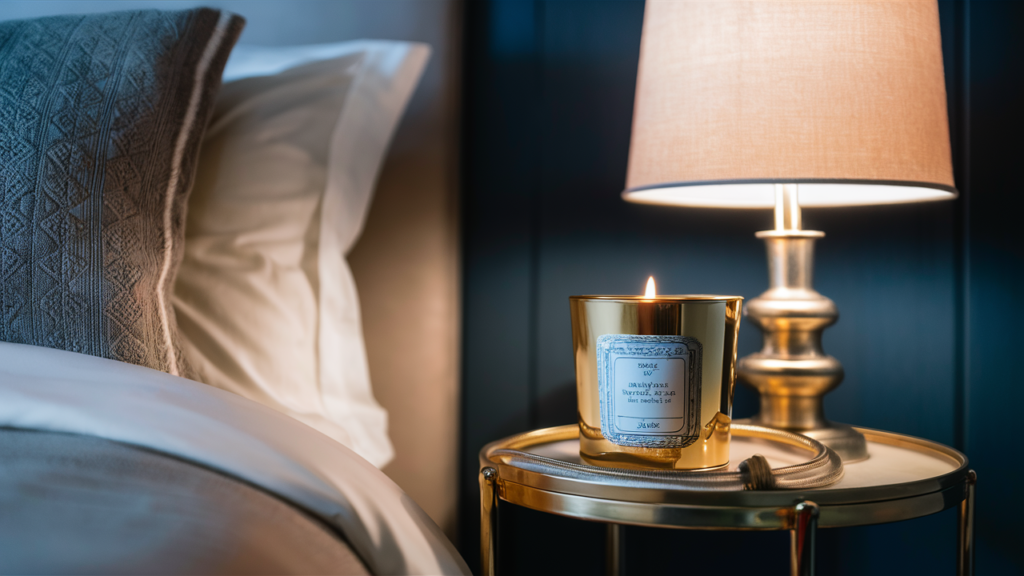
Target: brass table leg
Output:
{"points": [[488, 520], [613, 551], [801, 552], [965, 532]]}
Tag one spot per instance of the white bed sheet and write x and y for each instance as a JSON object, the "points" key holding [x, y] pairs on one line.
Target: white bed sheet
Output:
{"points": [[46, 389]]}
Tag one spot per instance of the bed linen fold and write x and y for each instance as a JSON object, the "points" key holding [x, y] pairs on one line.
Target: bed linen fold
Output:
{"points": [[55, 390]]}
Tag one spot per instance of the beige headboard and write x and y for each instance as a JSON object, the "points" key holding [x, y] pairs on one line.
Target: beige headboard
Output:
{"points": [[406, 267]]}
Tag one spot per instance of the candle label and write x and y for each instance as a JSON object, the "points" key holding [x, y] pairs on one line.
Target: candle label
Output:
{"points": [[649, 389]]}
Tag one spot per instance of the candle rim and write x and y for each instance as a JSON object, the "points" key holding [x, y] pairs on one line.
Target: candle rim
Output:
{"points": [[659, 297]]}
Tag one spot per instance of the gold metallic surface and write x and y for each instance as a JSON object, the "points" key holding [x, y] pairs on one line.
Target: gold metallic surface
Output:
{"points": [[713, 320], [792, 372], [730, 510], [816, 466], [802, 537], [488, 520], [726, 509], [696, 517]]}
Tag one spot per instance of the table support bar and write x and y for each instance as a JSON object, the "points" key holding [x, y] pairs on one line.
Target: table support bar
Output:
{"points": [[802, 536], [965, 532], [614, 550], [488, 520]]}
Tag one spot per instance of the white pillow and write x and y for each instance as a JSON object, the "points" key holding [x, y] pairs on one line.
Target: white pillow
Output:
{"points": [[265, 300]]}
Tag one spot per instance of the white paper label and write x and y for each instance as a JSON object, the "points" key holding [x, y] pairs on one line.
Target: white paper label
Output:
{"points": [[649, 389]]}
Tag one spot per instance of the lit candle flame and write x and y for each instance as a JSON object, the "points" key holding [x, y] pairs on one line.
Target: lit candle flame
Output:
{"points": [[650, 292]]}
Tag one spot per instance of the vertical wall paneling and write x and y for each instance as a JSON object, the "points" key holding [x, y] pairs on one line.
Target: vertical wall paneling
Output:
{"points": [[955, 19], [501, 135], [995, 278]]}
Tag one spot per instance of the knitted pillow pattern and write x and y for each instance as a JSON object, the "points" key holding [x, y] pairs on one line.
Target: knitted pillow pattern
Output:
{"points": [[101, 117]]}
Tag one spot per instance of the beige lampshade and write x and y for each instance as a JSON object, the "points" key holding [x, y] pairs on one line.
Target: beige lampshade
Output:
{"points": [[845, 98]]}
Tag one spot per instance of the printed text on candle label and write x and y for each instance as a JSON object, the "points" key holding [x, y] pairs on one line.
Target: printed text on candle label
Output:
{"points": [[646, 395], [649, 389]]}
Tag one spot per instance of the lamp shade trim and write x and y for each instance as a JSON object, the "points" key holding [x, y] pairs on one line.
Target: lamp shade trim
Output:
{"points": [[814, 192]]}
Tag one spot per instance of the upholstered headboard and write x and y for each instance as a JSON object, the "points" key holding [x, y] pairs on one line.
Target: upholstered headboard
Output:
{"points": [[406, 264]]}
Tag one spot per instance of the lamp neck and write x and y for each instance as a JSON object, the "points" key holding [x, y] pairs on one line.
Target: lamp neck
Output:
{"points": [[790, 262], [787, 207], [790, 249]]}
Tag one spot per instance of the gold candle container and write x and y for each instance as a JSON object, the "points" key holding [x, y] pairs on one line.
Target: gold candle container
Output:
{"points": [[654, 379]]}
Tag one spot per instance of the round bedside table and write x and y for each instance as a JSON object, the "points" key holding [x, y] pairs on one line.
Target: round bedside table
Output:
{"points": [[904, 478]]}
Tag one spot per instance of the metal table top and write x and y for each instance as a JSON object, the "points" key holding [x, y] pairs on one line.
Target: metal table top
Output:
{"points": [[904, 477]]}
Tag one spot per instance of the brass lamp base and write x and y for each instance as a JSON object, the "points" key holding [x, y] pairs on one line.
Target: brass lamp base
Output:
{"points": [[791, 372]]}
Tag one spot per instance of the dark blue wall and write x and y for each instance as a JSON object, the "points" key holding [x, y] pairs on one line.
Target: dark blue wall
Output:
{"points": [[993, 272], [928, 324]]}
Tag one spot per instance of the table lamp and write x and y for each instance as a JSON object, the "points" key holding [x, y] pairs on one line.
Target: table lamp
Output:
{"points": [[782, 104]]}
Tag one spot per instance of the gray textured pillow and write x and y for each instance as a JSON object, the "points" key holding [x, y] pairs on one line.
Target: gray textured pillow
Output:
{"points": [[101, 117]]}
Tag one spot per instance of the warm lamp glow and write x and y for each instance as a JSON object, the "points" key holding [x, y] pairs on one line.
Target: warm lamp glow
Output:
{"points": [[846, 99], [762, 195], [650, 292]]}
